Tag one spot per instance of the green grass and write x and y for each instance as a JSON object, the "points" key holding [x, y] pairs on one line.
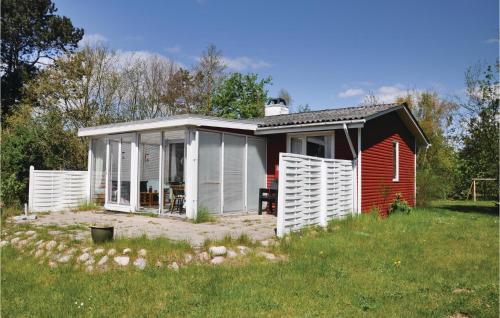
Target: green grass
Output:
{"points": [[87, 206], [403, 266], [204, 216]]}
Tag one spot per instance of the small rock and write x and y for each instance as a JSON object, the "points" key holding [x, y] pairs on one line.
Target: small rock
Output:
{"points": [[231, 254], [140, 263], [203, 256], [111, 252], [30, 233], [61, 247], [243, 249], [19, 233], [461, 290], [39, 242], [39, 253], [50, 245], [103, 260], [22, 243], [99, 251], [127, 250], [86, 249], [268, 256], [83, 258], [90, 261], [122, 260], [142, 252], [217, 260], [217, 250], [159, 264], [64, 259], [89, 268], [188, 258], [174, 266], [3, 243], [52, 264], [15, 240], [71, 251]]}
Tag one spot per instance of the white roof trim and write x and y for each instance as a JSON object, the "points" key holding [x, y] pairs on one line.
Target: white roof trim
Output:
{"points": [[161, 124], [309, 127]]}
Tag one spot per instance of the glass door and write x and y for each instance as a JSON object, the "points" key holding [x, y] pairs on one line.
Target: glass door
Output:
{"points": [[173, 174], [120, 147]]}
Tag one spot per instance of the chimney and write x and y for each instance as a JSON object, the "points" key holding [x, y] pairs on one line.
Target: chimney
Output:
{"points": [[276, 106]]}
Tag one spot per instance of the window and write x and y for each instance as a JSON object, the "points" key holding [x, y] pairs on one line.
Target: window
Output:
{"points": [[395, 161], [316, 146]]}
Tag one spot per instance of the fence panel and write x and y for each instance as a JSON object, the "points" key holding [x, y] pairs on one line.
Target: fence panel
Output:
{"points": [[312, 191], [56, 190]]}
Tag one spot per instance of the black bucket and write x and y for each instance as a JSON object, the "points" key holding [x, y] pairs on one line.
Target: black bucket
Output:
{"points": [[101, 234]]}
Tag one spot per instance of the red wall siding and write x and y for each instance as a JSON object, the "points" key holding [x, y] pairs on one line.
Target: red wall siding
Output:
{"points": [[377, 187], [342, 149], [275, 144]]}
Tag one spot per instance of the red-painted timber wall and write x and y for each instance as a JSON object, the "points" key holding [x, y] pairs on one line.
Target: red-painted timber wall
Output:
{"points": [[377, 188], [275, 144]]}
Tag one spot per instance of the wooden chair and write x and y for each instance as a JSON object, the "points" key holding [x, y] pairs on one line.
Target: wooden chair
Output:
{"points": [[178, 197], [270, 196]]}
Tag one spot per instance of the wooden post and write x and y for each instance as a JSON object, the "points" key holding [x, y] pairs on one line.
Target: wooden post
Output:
{"points": [[474, 190]]}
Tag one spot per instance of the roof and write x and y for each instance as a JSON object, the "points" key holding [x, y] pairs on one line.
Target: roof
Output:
{"points": [[326, 115], [353, 117]]}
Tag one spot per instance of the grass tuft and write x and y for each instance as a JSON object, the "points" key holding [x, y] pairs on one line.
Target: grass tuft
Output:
{"points": [[204, 216]]}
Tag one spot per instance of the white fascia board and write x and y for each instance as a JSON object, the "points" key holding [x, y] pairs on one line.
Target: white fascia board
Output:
{"points": [[310, 127], [180, 122]]}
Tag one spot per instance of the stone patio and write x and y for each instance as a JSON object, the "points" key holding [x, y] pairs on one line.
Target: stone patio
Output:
{"points": [[257, 227]]}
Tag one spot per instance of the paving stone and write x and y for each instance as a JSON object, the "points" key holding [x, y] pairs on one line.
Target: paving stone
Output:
{"points": [[122, 260], [140, 263], [218, 260], [103, 260], [217, 250]]}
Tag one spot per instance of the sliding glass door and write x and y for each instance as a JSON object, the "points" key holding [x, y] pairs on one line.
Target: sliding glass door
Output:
{"points": [[119, 173]]}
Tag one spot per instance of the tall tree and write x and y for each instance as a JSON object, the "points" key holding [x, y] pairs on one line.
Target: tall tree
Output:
{"points": [[241, 96], [479, 155], [32, 34], [436, 163]]}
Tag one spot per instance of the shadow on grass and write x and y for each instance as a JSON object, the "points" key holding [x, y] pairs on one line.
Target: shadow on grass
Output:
{"points": [[488, 208]]}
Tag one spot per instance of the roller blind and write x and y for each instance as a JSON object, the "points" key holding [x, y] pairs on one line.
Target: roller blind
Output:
{"points": [[209, 171], [234, 173]]}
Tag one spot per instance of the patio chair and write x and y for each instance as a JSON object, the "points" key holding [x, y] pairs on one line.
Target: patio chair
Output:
{"points": [[270, 196]]}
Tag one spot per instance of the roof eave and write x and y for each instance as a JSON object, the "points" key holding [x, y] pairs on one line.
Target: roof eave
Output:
{"points": [[355, 123]]}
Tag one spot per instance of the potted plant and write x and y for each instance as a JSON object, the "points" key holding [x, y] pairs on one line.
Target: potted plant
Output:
{"points": [[101, 232]]}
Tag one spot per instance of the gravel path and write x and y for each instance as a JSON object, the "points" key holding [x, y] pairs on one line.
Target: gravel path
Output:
{"points": [[257, 227]]}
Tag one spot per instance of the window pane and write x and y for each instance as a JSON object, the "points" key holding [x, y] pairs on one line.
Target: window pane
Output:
{"points": [[316, 146], [113, 171], [296, 145], [149, 169], [176, 168], [98, 177], [125, 171]]}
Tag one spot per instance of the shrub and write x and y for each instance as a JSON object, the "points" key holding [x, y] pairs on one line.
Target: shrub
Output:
{"points": [[399, 205], [203, 216]]}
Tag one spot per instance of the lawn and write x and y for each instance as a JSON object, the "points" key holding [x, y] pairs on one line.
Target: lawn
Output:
{"points": [[434, 262]]}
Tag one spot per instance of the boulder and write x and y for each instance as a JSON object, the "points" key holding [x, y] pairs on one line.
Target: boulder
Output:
{"points": [[217, 260], [140, 263], [122, 260], [217, 250], [103, 260]]}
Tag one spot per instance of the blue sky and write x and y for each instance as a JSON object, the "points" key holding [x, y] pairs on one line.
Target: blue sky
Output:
{"points": [[325, 53]]}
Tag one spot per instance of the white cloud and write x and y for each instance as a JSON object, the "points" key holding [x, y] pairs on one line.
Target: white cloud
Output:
{"points": [[244, 63], [92, 40], [351, 92], [127, 57], [173, 49], [389, 94], [491, 41]]}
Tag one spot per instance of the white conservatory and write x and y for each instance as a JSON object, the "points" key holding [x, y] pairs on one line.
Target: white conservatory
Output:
{"points": [[177, 164]]}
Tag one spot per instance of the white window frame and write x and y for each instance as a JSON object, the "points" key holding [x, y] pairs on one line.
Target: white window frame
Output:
{"points": [[303, 138], [395, 143]]}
